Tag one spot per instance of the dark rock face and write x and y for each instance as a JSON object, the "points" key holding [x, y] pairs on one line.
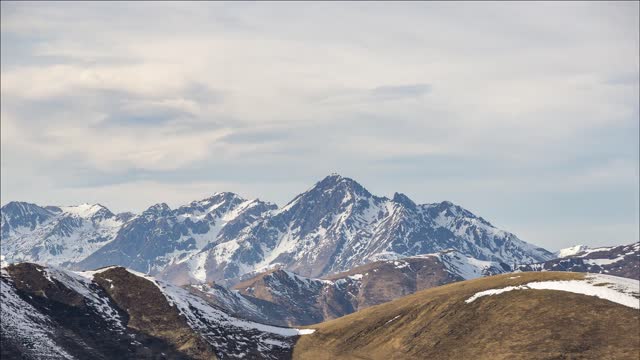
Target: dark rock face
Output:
{"points": [[621, 261]]}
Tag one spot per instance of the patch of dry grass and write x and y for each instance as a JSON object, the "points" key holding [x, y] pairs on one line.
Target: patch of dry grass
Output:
{"points": [[438, 324]]}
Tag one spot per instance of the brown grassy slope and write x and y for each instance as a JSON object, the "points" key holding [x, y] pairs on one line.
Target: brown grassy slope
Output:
{"points": [[524, 324]]}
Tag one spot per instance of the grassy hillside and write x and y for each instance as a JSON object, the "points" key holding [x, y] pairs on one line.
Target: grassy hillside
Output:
{"points": [[524, 324]]}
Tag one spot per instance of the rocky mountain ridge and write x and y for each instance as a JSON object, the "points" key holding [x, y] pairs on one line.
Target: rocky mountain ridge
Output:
{"points": [[334, 226]]}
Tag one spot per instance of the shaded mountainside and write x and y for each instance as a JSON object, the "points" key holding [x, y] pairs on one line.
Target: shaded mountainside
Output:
{"points": [[310, 300], [617, 260], [113, 313], [333, 227], [456, 322]]}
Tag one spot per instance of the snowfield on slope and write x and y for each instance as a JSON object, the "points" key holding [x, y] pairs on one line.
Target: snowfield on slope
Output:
{"points": [[616, 289]]}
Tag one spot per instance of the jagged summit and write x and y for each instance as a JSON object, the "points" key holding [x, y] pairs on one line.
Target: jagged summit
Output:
{"points": [[220, 196], [157, 209], [331, 189], [404, 200]]}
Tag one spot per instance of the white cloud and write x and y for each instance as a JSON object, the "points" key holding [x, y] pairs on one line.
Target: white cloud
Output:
{"points": [[126, 88]]}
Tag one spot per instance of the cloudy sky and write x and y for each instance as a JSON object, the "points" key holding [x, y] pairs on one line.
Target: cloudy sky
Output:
{"points": [[526, 114]]}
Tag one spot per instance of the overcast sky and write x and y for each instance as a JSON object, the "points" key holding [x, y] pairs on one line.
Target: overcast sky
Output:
{"points": [[524, 113]]}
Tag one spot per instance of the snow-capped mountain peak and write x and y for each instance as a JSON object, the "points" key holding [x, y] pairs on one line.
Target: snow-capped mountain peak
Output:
{"points": [[335, 225], [88, 211], [55, 235]]}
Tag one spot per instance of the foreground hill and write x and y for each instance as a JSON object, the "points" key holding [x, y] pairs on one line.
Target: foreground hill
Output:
{"points": [[473, 320], [113, 313], [621, 260]]}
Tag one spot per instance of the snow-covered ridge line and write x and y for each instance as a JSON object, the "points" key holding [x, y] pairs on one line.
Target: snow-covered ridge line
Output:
{"points": [[615, 289]]}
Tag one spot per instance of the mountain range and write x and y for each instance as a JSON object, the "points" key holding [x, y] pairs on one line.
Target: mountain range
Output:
{"points": [[374, 277], [333, 227]]}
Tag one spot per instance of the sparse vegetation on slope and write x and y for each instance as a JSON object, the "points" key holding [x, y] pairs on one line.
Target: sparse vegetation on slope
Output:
{"points": [[438, 324]]}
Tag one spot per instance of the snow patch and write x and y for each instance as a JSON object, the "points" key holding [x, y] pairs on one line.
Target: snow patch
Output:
{"points": [[570, 251], [615, 289], [83, 210]]}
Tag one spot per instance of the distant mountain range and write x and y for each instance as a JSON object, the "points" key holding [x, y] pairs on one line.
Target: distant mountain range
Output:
{"points": [[333, 227], [374, 274]]}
